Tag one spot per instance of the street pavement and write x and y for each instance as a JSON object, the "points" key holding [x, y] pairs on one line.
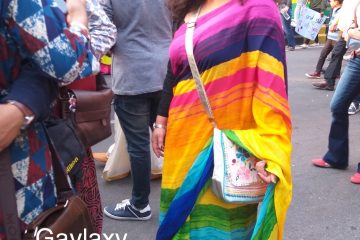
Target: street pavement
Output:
{"points": [[325, 205]]}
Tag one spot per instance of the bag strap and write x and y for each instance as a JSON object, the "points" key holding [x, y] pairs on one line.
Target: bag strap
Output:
{"points": [[8, 198], [63, 189], [189, 35]]}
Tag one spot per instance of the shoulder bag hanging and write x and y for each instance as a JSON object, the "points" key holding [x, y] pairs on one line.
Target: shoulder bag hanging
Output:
{"points": [[70, 215], [234, 182], [91, 111]]}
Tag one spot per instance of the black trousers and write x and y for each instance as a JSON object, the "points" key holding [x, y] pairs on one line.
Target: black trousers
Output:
{"points": [[333, 70], [328, 47]]}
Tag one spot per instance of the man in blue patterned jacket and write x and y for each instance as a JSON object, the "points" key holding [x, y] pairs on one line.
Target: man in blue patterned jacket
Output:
{"points": [[34, 37]]}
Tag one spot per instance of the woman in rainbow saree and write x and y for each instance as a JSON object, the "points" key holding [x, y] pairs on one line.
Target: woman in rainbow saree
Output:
{"points": [[239, 50]]}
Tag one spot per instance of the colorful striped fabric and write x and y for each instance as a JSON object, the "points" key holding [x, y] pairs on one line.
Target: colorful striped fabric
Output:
{"points": [[239, 50]]}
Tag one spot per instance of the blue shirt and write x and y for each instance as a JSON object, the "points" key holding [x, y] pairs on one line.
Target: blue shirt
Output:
{"points": [[140, 54], [333, 35]]}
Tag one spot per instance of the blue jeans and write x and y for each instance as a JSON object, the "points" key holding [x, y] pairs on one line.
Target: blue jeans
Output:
{"points": [[347, 89], [136, 113], [287, 29]]}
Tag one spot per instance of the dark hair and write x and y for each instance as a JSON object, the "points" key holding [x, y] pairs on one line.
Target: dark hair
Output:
{"points": [[180, 8]]}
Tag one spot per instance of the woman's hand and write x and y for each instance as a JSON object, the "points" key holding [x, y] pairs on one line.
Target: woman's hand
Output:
{"points": [[11, 120], [285, 9], [263, 174], [157, 141], [158, 136], [76, 12]]}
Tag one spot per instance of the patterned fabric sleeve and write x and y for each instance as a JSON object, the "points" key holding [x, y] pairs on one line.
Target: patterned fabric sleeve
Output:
{"points": [[102, 30], [41, 34], [107, 6]]}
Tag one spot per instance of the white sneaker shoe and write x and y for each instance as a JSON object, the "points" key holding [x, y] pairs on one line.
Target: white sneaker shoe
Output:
{"points": [[314, 45]]}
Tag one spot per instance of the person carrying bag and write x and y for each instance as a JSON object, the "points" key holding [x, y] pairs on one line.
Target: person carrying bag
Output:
{"points": [[70, 215]]}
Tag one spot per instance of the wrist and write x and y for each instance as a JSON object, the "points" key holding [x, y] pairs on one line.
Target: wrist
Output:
{"points": [[158, 125], [80, 27], [161, 120], [27, 114]]}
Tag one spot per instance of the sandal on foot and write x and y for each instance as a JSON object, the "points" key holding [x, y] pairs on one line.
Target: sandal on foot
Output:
{"points": [[355, 178], [321, 163]]}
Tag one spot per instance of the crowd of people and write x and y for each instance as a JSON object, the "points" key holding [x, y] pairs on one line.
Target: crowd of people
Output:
{"points": [[342, 26], [239, 48]]}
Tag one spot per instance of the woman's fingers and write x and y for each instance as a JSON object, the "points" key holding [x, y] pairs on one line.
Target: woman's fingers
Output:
{"points": [[269, 178], [263, 174], [158, 141]]}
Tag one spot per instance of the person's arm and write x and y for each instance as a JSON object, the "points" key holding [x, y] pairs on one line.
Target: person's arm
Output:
{"points": [[34, 89], [102, 30], [107, 6], [60, 51], [31, 94], [167, 93], [159, 131]]}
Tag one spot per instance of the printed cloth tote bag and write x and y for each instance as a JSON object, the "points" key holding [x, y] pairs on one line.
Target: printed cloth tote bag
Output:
{"points": [[234, 177]]}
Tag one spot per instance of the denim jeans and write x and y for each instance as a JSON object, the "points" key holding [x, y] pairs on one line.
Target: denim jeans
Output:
{"points": [[287, 29], [136, 113], [346, 91]]}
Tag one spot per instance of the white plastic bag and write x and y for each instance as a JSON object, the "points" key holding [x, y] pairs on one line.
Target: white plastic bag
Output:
{"points": [[118, 164]]}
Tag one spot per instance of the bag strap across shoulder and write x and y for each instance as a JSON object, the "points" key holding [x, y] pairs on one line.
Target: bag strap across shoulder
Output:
{"points": [[190, 29]]}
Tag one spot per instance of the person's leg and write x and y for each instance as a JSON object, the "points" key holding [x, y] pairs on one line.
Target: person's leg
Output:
{"points": [[134, 116], [320, 63], [348, 88], [328, 47], [288, 31], [334, 67], [333, 70]]}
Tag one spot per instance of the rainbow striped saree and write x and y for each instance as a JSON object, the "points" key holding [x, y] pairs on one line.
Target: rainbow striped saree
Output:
{"points": [[240, 54]]}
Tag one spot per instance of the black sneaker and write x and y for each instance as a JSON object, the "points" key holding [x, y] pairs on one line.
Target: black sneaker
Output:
{"points": [[353, 108], [126, 211], [323, 85]]}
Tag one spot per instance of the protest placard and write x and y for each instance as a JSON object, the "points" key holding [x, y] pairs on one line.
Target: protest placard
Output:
{"points": [[309, 23]]}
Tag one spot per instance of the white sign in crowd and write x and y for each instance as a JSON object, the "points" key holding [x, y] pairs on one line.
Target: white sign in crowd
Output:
{"points": [[309, 23]]}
